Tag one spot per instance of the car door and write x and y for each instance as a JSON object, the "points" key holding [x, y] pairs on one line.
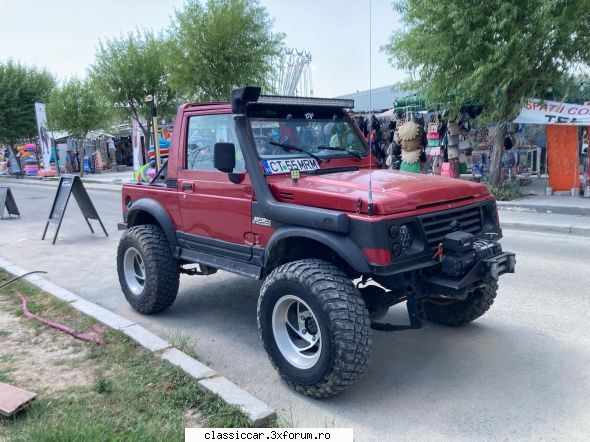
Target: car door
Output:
{"points": [[216, 213]]}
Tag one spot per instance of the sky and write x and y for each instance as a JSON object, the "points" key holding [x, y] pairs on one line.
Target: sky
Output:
{"points": [[62, 35]]}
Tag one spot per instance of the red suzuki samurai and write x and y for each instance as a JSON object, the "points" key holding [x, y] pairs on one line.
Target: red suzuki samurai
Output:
{"points": [[284, 189]]}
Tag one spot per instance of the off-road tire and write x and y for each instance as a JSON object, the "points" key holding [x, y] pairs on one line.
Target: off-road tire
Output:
{"points": [[343, 321], [458, 313], [161, 268]]}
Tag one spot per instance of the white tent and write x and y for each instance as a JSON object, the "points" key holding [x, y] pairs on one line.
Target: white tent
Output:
{"points": [[387, 115]]}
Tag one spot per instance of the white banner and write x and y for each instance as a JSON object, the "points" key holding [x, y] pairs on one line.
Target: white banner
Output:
{"points": [[537, 111], [44, 135], [136, 134]]}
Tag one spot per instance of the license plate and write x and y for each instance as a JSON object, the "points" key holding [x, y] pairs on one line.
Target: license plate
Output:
{"points": [[272, 167]]}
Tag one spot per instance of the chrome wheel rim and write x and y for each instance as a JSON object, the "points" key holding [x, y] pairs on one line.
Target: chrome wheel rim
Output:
{"points": [[134, 269], [296, 332]]}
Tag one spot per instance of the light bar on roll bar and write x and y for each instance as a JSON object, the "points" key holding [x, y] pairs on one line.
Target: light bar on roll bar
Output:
{"points": [[305, 101], [240, 98]]}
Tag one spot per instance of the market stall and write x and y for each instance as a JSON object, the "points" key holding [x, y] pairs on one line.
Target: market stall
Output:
{"points": [[565, 126]]}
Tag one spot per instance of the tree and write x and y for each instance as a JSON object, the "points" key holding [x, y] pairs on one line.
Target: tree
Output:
{"points": [[77, 108], [20, 88], [127, 69], [220, 45], [495, 52]]}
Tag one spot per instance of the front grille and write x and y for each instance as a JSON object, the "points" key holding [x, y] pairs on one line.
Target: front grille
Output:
{"points": [[438, 224]]}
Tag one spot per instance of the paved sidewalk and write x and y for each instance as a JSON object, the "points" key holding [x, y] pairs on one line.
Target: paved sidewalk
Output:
{"points": [[53, 182], [544, 222], [535, 200], [107, 177], [565, 205]]}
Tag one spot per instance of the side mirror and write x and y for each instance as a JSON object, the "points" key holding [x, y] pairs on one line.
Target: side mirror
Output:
{"points": [[224, 157]]}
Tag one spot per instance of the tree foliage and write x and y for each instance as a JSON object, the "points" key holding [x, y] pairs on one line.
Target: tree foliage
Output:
{"points": [[221, 44], [20, 88], [127, 69], [496, 52], [77, 108]]}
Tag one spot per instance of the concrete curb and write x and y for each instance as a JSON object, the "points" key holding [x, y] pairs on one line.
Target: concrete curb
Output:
{"points": [[547, 228], [540, 208], [257, 411]]}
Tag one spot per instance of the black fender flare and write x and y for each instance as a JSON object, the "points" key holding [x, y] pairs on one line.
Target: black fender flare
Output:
{"points": [[342, 245], [157, 211]]}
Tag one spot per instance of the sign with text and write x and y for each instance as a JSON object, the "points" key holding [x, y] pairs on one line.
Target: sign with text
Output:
{"points": [[284, 166], [7, 201], [290, 434], [67, 186], [554, 112]]}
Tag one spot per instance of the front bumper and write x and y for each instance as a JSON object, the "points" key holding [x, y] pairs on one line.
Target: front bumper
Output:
{"points": [[486, 269]]}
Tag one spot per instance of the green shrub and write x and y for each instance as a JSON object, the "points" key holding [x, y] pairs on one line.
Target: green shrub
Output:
{"points": [[506, 191]]}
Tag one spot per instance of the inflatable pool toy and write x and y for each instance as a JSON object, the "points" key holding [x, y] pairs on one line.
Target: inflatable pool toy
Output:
{"points": [[163, 153], [145, 173], [164, 150]]}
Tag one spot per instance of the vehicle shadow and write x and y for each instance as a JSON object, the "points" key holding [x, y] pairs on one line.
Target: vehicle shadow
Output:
{"points": [[462, 380]]}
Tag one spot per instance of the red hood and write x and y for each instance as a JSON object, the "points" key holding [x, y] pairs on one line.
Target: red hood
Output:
{"points": [[393, 191]]}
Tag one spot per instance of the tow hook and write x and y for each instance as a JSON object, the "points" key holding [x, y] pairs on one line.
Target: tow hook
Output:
{"points": [[415, 314]]}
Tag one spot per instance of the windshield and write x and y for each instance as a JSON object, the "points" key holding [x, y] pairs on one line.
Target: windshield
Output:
{"points": [[324, 136]]}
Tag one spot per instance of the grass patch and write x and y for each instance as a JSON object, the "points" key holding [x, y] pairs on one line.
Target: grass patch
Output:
{"points": [[5, 374], [103, 386], [135, 396], [184, 343], [507, 191]]}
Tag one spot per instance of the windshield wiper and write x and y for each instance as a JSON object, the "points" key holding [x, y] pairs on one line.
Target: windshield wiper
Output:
{"points": [[298, 149], [354, 154]]}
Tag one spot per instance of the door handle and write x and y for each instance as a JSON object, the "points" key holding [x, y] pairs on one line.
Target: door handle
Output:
{"points": [[187, 187]]}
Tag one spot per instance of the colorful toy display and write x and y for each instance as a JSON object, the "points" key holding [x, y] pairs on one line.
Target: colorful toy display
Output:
{"points": [[29, 159], [146, 173], [164, 146]]}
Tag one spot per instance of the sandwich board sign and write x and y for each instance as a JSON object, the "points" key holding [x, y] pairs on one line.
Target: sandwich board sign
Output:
{"points": [[15, 168], [7, 200], [69, 185]]}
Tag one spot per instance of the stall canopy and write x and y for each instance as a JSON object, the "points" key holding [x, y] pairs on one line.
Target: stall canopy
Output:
{"points": [[413, 101], [387, 115]]}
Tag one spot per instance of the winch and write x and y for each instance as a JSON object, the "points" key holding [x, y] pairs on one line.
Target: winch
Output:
{"points": [[462, 251]]}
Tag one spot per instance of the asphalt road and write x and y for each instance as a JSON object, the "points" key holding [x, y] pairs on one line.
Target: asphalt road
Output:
{"points": [[520, 372]]}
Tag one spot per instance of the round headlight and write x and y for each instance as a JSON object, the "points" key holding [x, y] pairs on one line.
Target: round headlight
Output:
{"points": [[393, 231], [405, 236]]}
